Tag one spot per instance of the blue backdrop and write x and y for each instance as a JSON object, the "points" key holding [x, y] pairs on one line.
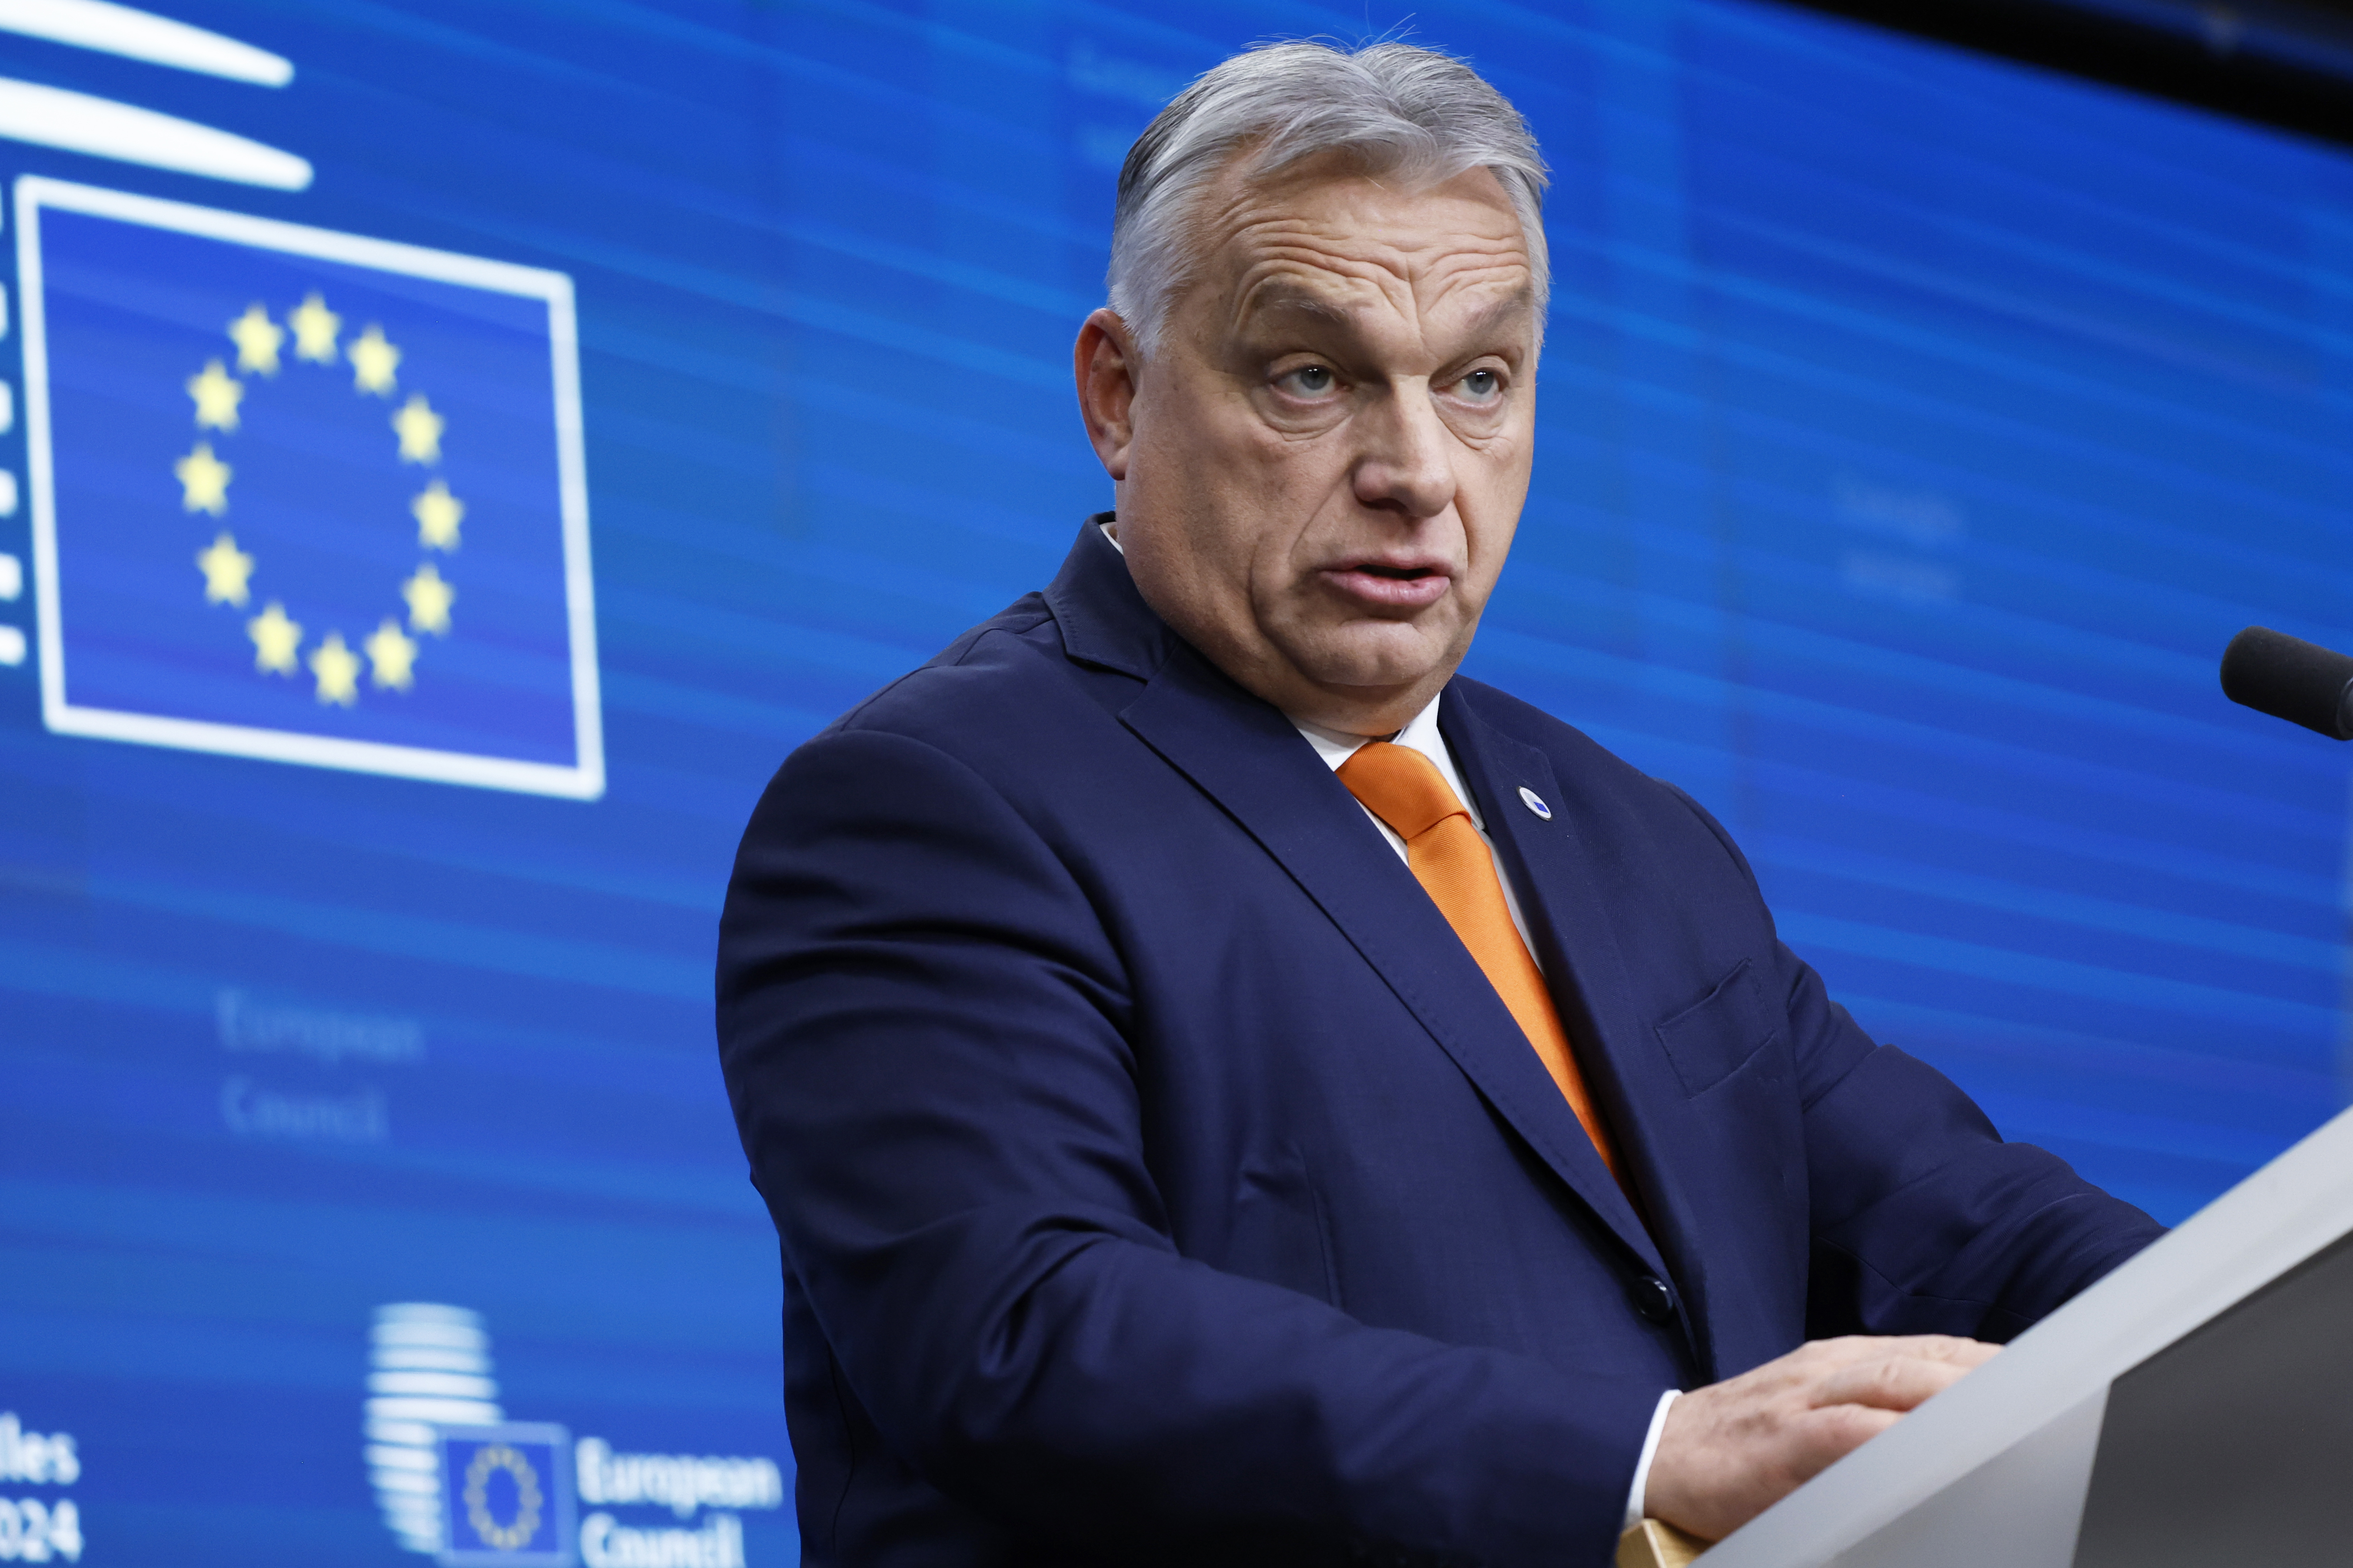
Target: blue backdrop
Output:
{"points": [[1916, 428]]}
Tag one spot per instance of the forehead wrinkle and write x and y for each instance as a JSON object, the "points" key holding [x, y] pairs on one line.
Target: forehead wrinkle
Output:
{"points": [[1347, 249], [1286, 285], [1282, 287], [1332, 261], [1341, 248], [1513, 308], [1285, 293]]}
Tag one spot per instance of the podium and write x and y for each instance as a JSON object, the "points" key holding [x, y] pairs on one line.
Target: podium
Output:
{"points": [[2194, 1408]]}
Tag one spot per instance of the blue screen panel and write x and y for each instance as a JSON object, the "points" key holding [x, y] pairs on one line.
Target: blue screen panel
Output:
{"points": [[1914, 430], [315, 444]]}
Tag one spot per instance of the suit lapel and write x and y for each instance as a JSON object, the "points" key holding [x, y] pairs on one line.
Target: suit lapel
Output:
{"points": [[1551, 866], [1248, 758]]}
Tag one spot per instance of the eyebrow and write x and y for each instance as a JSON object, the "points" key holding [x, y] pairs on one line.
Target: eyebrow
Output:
{"points": [[1290, 300], [1520, 302]]}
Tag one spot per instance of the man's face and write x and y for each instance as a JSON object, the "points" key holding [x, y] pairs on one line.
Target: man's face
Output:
{"points": [[1324, 462]]}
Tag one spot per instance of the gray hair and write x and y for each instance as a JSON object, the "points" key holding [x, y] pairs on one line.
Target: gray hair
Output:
{"points": [[1399, 109]]}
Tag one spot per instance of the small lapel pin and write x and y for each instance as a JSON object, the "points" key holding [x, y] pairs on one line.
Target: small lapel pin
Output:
{"points": [[1534, 803]]}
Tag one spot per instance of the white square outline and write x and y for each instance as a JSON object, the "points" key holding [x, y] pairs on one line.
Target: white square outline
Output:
{"points": [[561, 1504], [584, 779]]}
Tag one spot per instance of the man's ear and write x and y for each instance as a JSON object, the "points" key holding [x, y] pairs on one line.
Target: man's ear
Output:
{"points": [[1105, 364]]}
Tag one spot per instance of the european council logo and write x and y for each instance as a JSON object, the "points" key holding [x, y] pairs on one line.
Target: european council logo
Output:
{"points": [[508, 1495], [305, 496]]}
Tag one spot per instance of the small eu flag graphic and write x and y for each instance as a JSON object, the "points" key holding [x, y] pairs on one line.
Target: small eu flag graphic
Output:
{"points": [[305, 496], [506, 1496]]}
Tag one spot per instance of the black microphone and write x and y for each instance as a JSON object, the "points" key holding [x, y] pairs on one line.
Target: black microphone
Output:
{"points": [[2291, 679]]}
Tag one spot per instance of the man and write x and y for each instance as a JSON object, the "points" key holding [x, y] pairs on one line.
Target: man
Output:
{"points": [[1231, 1090]]}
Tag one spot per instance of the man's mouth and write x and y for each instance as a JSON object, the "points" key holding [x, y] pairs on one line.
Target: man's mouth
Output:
{"points": [[1390, 585]]}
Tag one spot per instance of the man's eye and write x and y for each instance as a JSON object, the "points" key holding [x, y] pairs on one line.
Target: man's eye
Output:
{"points": [[1309, 381], [1482, 385]]}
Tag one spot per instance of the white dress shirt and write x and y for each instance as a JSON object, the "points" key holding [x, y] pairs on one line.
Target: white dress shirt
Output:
{"points": [[1421, 734]]}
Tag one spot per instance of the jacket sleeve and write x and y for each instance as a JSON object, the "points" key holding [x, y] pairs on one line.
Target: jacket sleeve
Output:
{"points": [[924, 1031], [1923, 1219]]}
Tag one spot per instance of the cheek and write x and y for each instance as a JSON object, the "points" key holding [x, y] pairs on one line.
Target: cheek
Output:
{"points": [[1246, 498], [1495, 486], [1202, 447]]}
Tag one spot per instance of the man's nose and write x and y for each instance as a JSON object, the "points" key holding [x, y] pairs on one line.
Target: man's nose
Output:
{"points": [[1405, 463]]}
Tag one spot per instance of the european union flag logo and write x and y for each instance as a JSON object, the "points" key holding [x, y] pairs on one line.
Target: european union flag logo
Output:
{"points": [[506, 1496], [305, 496]]}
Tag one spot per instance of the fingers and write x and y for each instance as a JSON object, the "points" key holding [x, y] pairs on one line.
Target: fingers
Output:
{"points": [[1925, 1347], [1897, 1372], [1888, 1382], [1834, 1431], [1730, 1450], [1962, 1353], [1817, 1439]]}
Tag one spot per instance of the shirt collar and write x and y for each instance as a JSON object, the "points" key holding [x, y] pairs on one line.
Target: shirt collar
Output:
{"points": [[1336, 746], [1421, 734]]}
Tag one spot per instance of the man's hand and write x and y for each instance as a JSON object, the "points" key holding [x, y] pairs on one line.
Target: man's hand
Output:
{"points": [[1733, 1449]]}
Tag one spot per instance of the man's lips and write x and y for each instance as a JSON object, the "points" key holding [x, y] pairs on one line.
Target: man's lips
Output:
{"points": [[1387, 584]]}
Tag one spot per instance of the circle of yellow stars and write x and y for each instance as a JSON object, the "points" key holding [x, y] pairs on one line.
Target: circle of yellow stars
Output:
{"points": [[391, 654]]}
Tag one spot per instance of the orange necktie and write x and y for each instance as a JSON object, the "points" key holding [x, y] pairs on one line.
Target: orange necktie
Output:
{"points": [[1404, 789]]}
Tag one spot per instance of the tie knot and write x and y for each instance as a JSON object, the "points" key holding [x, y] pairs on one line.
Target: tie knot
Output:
{"points": [[1400, 787]]}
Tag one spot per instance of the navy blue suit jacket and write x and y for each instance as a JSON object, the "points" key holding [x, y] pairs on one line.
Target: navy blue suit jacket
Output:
{"points": [[1159, 1179]]}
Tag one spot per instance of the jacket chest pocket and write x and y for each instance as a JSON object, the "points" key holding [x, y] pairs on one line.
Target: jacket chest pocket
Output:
{"points": [[1707, 1041]]}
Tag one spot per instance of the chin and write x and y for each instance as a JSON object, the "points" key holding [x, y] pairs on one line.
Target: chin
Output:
{"points": [[1390, 659]]}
